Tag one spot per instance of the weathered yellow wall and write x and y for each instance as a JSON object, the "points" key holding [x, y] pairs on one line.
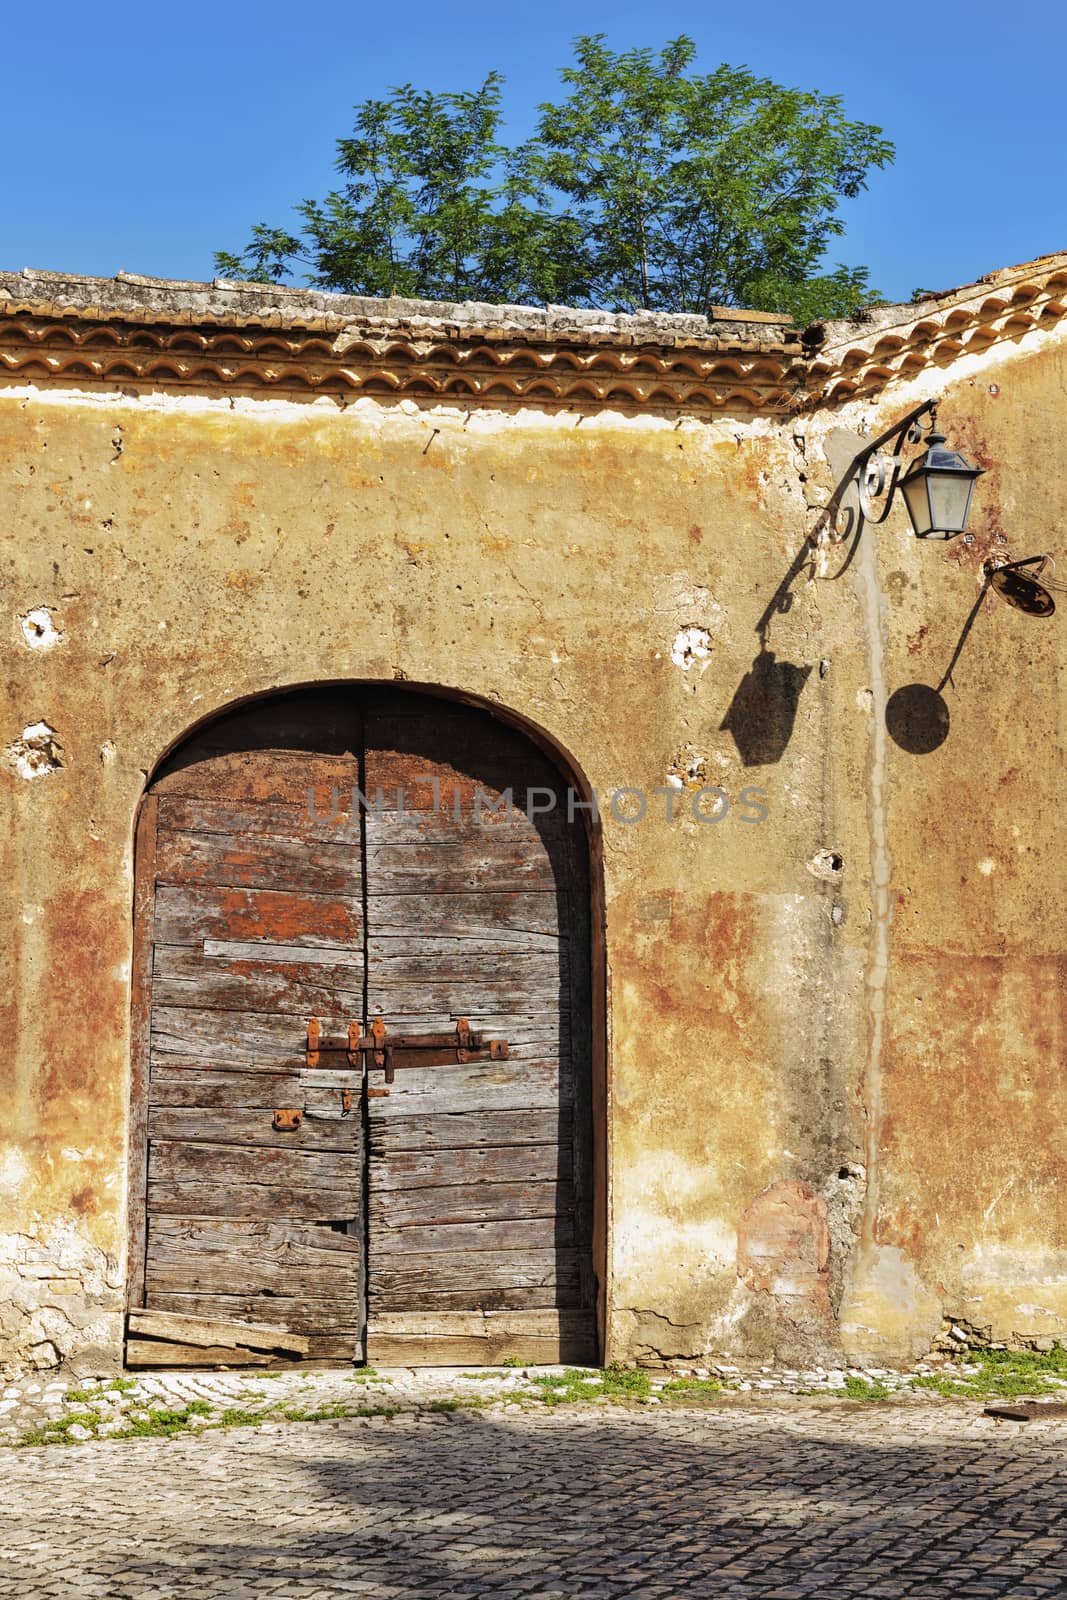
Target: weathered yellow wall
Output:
{"points": [[790, 1165], [969, 1199]]}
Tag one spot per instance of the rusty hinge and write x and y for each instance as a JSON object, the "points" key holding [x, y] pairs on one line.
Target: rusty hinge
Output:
{"points": [[287, 1120]]}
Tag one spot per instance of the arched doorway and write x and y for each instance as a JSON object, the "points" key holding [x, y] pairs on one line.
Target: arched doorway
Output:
{"points": [[312, 869]]}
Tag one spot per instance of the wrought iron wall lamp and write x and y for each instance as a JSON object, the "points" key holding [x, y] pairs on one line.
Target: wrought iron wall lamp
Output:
{"points": [[937, 485]]}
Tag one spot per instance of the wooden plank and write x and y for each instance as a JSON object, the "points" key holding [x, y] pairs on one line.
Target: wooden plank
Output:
{"points": [[159, 1353], [457, 774], [406, 1338], [191, 914], [478, 1202], [210, 1090], [188, 1080], [403, 1350], [436, 1168], [466, 1297], [467, 1294], [184, 1329], [254, 1126], [265, 776], [458, 915], [474, 945], [320, 817], [457, 1132], [452, 997], [517, 1084], [552, 1277], [407, 787], [339, 1280], [301, 866], [398, 961], [140, 1047], [464, 783], [527, 1233], [499, 865], [422, 825], [344, 1349], [412, 1276], [232, 1040], [272, 1247], [184, 977], [252, 951], [260, 1260], [322, 1086], [249, 1201], [284, 1165], [305, 1315], [547, 1323]]}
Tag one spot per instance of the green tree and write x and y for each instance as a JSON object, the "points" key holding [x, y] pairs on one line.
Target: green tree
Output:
{"points": [[648, 185]]}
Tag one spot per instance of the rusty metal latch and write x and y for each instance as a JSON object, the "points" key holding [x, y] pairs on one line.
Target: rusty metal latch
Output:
{"points": [[287, 1120], [378, 1048]]}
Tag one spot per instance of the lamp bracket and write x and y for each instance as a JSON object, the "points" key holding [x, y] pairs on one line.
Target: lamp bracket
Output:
{"points": [[877, 472]]}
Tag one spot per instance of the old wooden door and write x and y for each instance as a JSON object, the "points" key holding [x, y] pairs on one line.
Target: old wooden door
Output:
{"points": [[250, 918], [479, 1184], [448, 1219]]}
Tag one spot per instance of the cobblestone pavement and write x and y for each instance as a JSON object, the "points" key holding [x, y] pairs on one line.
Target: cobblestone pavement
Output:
{"points": [[772, 1497]]}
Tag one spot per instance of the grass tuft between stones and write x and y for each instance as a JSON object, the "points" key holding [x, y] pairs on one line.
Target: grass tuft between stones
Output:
{"points": [[1002, 1374], [574, 1384]]}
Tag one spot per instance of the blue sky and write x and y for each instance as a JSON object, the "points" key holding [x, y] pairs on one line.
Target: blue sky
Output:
{"points": [[142, 139]]}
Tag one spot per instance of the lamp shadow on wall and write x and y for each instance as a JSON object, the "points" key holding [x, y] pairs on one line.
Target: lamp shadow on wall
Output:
{"points": [[763, 711], [917, 716]]}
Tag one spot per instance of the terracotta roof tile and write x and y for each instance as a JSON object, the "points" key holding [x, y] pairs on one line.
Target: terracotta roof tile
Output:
{"points": [[250, 337], [849, 359]]}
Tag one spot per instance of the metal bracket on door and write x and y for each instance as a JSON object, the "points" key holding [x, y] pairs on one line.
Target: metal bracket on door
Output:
{"points": [[380, 1054]]}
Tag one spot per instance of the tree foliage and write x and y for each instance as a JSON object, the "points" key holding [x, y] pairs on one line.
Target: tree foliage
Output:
{"points": [[646, 185]]}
